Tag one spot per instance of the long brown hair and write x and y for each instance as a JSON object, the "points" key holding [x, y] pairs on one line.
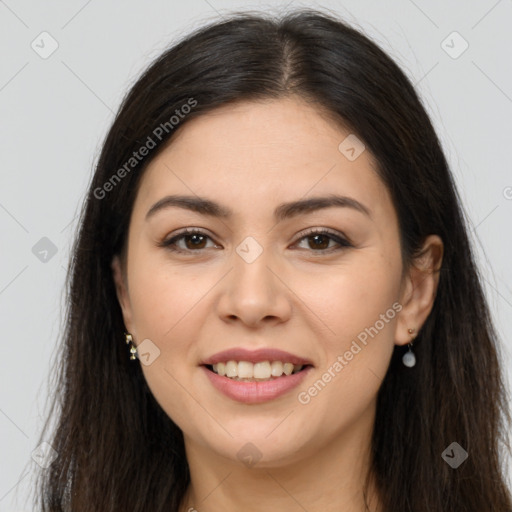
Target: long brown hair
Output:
{"points": [[117, 449]]}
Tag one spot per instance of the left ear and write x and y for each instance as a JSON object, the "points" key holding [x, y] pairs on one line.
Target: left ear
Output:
{"points": [[419, 290]]}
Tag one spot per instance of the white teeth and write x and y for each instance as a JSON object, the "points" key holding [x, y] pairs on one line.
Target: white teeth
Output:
{"points": [[264, 370], [288, 368], [231, 369], [245, 370], [221, 368], [277, 369]]}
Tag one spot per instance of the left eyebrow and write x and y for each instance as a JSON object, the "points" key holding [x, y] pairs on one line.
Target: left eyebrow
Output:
{"points": [[283, 211]]}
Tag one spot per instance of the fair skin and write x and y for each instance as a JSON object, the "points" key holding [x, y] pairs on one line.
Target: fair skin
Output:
{"points": [[300, 295]]}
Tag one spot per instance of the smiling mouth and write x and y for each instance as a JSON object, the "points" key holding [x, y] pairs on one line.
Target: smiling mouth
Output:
{"points": [[246, 371]]}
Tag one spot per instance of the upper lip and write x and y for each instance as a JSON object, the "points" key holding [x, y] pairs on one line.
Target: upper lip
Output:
{"points": [[255, 356]]}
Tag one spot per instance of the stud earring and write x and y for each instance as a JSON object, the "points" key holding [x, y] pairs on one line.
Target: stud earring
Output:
{"points": [[409, 359], [133, 348]]}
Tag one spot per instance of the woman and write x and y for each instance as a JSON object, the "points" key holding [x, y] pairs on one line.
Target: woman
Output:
{"points": [[273, 303]]}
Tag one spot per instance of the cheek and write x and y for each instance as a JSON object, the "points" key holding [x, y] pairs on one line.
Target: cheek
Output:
{"points": [[168, 310], [354, 298], [360, 306], [162, 296]]}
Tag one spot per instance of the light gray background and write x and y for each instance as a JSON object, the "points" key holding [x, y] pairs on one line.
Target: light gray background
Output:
{"points": [[55, 113]]}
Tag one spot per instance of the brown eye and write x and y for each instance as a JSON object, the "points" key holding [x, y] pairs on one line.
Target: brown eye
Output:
{"points": [[193, 240], [319, 240]]}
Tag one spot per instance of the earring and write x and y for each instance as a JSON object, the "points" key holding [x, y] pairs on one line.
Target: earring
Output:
{"points": [[133, 348], [409, 359]]}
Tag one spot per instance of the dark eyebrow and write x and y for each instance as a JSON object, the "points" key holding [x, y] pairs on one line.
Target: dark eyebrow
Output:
{"points": [[284, 211]]}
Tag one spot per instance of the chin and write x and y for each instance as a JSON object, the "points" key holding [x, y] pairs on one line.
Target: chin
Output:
{"points": [[260, 447]]}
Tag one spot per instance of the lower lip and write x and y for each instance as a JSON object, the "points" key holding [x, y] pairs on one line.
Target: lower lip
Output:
{"points": [[256, 392]]}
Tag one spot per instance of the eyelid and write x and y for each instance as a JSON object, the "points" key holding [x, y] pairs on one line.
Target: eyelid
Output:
{"points": [[168, 242], [340, 238], [336, 235]]}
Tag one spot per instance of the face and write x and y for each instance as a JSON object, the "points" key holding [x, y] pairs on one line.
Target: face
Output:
{"points": [[322, 283]]}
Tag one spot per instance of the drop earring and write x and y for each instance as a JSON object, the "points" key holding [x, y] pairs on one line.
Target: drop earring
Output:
{"points": [[409, 359], [133, 348]]}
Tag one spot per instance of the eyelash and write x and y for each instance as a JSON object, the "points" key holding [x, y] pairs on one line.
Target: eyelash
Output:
{"points": [[342, 242]]}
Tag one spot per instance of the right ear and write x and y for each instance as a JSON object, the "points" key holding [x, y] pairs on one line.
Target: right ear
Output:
{"points": [[122, 292]]}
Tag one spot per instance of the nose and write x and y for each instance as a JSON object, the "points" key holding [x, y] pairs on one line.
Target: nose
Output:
{"points": [[255, 293]]}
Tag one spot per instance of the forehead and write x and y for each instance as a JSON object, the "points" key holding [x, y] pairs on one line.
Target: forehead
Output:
{"points": [[259, 152]]}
